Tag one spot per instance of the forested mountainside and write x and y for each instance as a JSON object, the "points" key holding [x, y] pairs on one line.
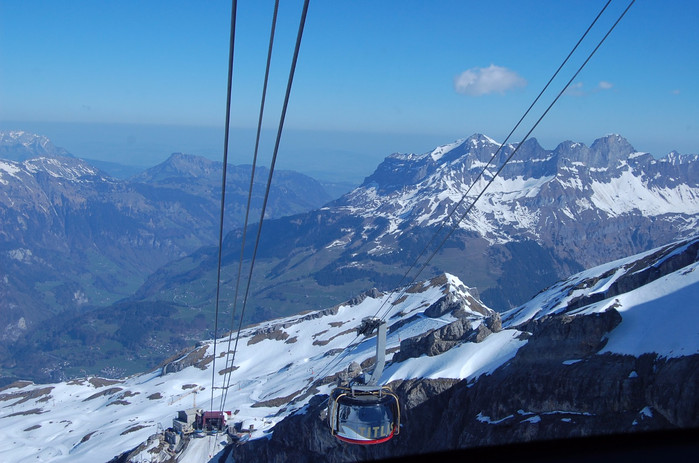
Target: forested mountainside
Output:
{"points": [[72, 238], [548, 214]]}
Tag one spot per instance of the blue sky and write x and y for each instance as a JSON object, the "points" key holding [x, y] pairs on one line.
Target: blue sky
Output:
{"points": [[133, 81]]}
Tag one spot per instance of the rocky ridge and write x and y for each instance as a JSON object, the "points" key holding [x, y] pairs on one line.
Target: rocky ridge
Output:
{"points": [[549, 214], [566, 370], [559, 384]]}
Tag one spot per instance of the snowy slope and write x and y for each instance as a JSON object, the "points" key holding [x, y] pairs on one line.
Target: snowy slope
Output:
{"points": [[661, 316], [609, 179], [89, 420], [94, 420]]}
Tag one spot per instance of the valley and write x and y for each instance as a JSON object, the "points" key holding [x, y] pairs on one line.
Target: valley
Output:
{"points": [[551, 213]]}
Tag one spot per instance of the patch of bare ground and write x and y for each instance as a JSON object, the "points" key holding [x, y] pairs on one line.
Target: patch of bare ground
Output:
{"points": [[276, 334], [277, 402], [17, 385], [227, 370], [24, 396], [119, 402], [155, 396], [101, 382], [437, 281], [204, 362], [120, 398], [87, 436], [197, 357], [33, 411], [31, 428], [323, 342], [110, 391], [133, 429]]}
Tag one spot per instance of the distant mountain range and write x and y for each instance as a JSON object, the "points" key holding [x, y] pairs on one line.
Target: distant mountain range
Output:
{"points": [[548, 214], [612, 350], [73, 237], [19, 146]]}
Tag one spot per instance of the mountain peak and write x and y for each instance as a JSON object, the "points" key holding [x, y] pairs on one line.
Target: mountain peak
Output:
{"points": [[608, 150], [180, 165], [675, 158], [18, 145], [481, 138]]}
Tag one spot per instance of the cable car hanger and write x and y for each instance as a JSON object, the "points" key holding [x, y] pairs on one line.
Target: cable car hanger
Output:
{"points": [[364, 412]]}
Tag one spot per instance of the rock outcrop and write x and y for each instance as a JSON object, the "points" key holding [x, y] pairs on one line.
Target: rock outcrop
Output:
{"points": [[557, 386]]}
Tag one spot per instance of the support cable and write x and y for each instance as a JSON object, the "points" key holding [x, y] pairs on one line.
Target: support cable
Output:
{"points": [[485, 168], [271, 170], [231, 48], [511, 155], [226, 378], [350, 347]]}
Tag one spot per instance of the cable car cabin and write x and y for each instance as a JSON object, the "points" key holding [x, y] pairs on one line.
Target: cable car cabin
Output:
{"points": [[363, 414], [211, 421]]}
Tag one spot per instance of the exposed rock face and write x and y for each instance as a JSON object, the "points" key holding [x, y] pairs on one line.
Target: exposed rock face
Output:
{"points": [[439, 341], [557, 386], [567, 337], [195, 357]]}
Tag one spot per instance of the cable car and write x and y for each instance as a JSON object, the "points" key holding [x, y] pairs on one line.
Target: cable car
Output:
{"points": [[364, 412], [364, 417]]}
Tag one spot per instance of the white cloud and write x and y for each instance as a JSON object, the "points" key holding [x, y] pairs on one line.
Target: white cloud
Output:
{"points": [[482, 81], [575, 89]]}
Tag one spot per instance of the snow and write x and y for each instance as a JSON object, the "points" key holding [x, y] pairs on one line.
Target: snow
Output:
{"points": [[488, 420], [514, 202], [7, 167], [556, 298], [467, 361], [131, 410], [660, 317], [627, 193], [339, 243], [83, 421], [204, 449], [440, 151], [637, 154]]}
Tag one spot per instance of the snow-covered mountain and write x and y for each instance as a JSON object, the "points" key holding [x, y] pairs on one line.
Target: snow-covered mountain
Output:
{"points": [[19, 145], [73, 237], [612, 349], [547, 215], [547, 196]]}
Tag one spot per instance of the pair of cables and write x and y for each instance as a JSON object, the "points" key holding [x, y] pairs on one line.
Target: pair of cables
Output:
{"points": [[451, 225], [230, 354]]}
